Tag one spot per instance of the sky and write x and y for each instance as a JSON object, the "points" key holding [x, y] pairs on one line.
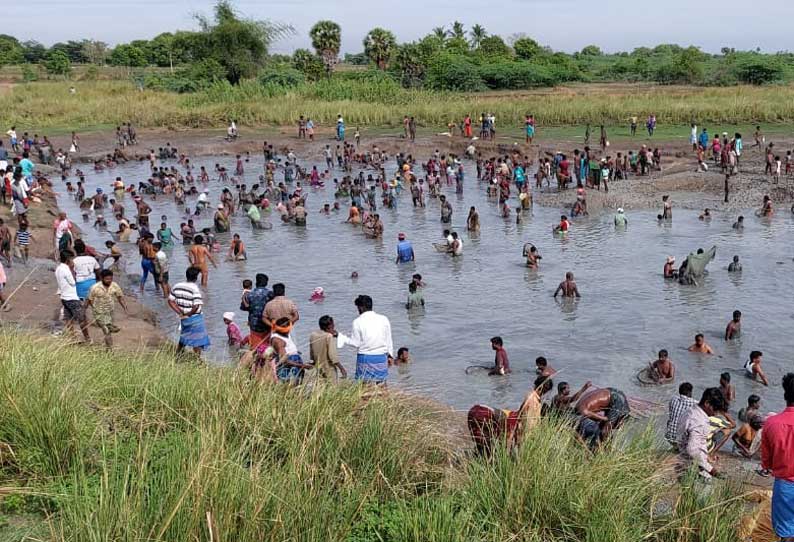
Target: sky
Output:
{"points": [[564, 25]]}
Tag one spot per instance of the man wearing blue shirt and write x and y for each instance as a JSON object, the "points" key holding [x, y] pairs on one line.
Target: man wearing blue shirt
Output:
{"points": [[27, 166], [405, 252]]}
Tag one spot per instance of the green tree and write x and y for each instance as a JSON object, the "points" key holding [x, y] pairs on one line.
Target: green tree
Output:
{"points": [[327, 39], [457, 30], [591, 50], [457, 46], [440, 32], [379, 46], [410, 62], [11, 52], [758, 69], [58, 63], [526, 48], [477, 34], [309, 64], [33, 51], [493, 47], [128, 55], [72, 49], [239, 45]]}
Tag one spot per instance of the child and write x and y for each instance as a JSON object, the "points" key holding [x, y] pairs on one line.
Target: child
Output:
{"points": [[776, 176], [752, 408], [415, 297], [101, 299], [233, 332], [22, 241], [728, 390], [788, 162], [745, 437], [753, 367], [247, 286], [519, 219]]}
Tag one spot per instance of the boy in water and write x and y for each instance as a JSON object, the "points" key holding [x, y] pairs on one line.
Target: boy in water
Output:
{"points": [[734, 266], [753, 367], [543, 368], [727, 389], [662, 370]]}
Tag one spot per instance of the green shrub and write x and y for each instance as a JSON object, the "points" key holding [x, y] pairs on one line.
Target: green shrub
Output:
{"points": [[282, 76], [515, 75], [453, 72]]}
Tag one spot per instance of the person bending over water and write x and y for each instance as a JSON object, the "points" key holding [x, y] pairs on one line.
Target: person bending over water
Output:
{"points": [[601, 411], [531, 254], [752, 367], [568, 287], [700, 346]]}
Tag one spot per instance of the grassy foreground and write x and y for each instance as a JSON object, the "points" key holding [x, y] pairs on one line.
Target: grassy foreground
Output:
{"points": [[41, 106], [100, 448]]}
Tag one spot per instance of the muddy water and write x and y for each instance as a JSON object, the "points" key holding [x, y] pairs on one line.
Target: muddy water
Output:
{"points": [[627, 311]]}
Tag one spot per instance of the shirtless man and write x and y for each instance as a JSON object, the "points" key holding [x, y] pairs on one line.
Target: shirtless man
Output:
{"points": [[564, 401], [568, 287], [662, 370], [543, 368], [198, 256], [700, 346], [734, 327], [601, 411]]}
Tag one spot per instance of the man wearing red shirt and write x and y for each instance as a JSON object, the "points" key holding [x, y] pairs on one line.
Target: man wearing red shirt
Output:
{"points": [[777, 456], [501, 363]]}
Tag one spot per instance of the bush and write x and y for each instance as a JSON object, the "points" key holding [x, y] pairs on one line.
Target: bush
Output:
{"points": [[282, 76], [527, 48], [453, 72], [515, 75], [58, 63], [758, 70], [29, 73], [382, 89], [310, 64]]}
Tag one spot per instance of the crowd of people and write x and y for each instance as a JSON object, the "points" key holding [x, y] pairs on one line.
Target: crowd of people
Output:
{"points": [[267, 343]]}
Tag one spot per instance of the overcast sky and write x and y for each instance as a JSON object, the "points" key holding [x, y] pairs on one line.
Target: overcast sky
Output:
{"points": [[566, 25]]}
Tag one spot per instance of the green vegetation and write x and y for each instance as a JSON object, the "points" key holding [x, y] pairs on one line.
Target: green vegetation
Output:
{"points": [[373, 100], [135, 447]]}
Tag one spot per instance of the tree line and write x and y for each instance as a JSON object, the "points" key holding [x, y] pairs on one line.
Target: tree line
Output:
{"points": [[229, 46]]}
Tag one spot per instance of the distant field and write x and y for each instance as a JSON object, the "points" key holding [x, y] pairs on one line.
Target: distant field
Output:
{"points": [[48, 105]]}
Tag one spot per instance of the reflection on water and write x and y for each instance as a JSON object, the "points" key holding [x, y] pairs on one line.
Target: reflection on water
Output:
{"points": [[626, 314]]}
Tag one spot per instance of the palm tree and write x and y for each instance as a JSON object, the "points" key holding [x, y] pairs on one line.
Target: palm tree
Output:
{"points": [[379, 45], [326, 39], [477, 33], [440, 32], [458, 30]]}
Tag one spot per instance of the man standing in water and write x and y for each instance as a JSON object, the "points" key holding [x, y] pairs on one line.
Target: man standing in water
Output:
{"points": [[371, 336], [501, 365], [198, 256], [568, 287], [405, 252], [446, 210], [186, 301], [734, 327], [254, 303], [777, 457]]}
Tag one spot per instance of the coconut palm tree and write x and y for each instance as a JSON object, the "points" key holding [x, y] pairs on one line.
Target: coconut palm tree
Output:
{"points": [[477, 33], [440, 32], [458, 30], [379, 46], [326, 39]]}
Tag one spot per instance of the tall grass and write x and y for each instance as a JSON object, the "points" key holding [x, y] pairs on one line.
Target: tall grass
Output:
{"points": [[381, 102], [126, 448]]}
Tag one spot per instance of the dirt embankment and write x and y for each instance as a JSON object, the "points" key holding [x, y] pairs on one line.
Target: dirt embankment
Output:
{"points": [[32, 293]]}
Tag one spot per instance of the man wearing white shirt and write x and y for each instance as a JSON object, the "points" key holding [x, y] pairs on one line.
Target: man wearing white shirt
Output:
{"points": [[371, 336], [73, 310]]}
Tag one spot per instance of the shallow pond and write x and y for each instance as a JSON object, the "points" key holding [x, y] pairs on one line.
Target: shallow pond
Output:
{"points": [[626, 314]]}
